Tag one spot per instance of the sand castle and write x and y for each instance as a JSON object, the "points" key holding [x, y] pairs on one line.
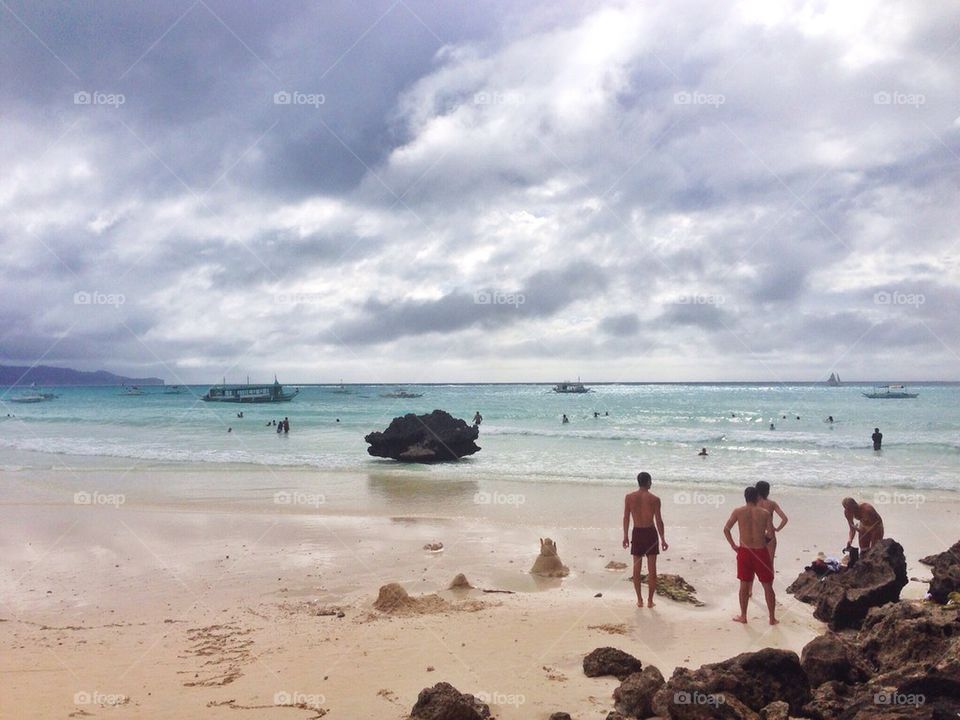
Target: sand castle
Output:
{"points": [[548, 563]]}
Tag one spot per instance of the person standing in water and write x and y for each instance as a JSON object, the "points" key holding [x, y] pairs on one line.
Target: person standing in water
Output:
{"points": [[478, 418], [877, 438], [755, 526], [646, 541], [772, 507], [565, 419]]}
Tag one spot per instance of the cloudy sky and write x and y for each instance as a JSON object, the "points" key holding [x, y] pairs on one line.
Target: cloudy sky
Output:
{"points": [[402, 191]]}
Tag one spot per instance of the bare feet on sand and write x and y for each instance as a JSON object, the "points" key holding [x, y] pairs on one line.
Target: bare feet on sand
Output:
{"points": [[651, 603], [740, 619], [639, 603], [774, 621]]}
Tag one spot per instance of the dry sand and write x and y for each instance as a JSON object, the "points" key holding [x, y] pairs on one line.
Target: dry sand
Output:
{"points": [[197, 611]]}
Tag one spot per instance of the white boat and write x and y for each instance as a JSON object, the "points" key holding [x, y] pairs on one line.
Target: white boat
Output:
{"points": [[890, 392], [173, 390], [341, 388], [249, 393], [132, 391], [571, 387], [29, 397], [401, 395]]}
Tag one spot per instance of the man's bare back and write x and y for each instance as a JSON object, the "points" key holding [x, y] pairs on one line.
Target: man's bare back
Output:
{"points": [[643, 506], [753, 523]]}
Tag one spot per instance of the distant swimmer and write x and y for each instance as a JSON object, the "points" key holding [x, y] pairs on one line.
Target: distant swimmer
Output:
{"points": [[565, 419], [478, 418], [338, 419], [702, 453], [830, 419], [877, 438], [772, 507], [798, 417], [772, 426], [286, 425], [733, 414], [229, 430], [606, 414], [870, 527], [596, 414]]}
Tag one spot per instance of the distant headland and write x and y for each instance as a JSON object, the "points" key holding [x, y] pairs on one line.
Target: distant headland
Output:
{"points": [[48, 375]]}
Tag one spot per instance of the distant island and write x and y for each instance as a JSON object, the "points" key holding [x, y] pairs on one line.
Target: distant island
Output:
{"points": [[47, 375]]}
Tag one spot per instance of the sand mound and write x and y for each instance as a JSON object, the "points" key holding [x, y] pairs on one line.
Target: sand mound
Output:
{"points": [[615, 565], [394, 600], [460, 582]]}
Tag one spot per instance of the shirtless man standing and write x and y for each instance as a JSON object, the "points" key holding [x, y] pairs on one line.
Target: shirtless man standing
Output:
{"points": [[756, 527], [644, 508], [772, 507], [871, 524]]}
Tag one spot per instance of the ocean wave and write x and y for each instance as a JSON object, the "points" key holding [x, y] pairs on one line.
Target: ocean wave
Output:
{"points": [[739, 438]]}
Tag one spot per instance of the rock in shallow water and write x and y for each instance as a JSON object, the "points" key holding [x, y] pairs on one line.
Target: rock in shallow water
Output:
{"points": [[425, 438]]}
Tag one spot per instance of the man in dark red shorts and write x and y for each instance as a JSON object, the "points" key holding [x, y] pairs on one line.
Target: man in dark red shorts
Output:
{"points": [[643, 507], [753, 559]]}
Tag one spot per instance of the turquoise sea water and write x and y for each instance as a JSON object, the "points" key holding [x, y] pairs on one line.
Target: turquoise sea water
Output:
{"points": [[659, 428]]}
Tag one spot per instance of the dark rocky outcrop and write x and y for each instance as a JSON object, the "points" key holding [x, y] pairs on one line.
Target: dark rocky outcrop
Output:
{"points": [[739, 687], [777, 710], [444, 702], [843, 599], [831, 657], [425, 438], [560, 716], [946, 573], [611, 661], [634, 697]]}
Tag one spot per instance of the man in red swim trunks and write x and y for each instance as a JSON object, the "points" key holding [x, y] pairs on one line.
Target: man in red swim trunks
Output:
{"points": [[753, 559], [643, 507]]}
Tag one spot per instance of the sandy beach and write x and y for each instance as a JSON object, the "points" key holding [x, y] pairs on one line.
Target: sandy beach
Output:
{"points": [[141, 606]]}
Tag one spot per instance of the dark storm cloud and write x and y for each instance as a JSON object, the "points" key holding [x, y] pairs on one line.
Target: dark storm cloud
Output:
{"points": [[542, 295], [666, 178]]}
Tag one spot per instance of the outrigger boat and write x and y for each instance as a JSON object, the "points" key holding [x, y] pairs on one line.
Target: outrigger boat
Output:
{"points": [[401, 395], [132, 391], [30, 397], [889, 392], [571, 387], [174, 390], [249, 393]]}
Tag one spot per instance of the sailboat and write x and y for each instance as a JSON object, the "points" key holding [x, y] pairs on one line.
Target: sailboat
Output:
{"points": [[834, 380], [341, 388]]}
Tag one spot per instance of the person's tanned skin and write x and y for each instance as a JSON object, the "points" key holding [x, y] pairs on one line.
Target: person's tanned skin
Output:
{"points": [[643, 507], [755, 526], [871, 524], [772, 507]]}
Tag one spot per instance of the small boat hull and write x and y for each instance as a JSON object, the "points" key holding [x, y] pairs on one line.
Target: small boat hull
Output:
{"points": [[890, 396]]}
